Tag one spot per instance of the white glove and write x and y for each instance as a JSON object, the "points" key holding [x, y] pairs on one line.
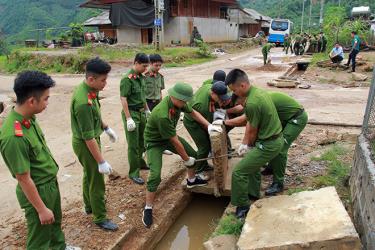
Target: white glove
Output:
{"points": [[130, 124], [105, 168], [190, 162], [220, 114], [111, 134], [214, 128], [218, 122], [148, 113], [243, 149]]}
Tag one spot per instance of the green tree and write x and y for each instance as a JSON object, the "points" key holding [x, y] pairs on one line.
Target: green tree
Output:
{"points": [[333, 23]]}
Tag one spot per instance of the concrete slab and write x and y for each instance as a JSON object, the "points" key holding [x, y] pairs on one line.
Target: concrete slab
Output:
{"points": [[306, 220]]}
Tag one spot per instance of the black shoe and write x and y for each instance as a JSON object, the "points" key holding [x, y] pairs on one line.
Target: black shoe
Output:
{"points": [[267, 171], [107, 225], [274, 189], [137, 180], [197, 183], [241, 212], [87, 211], [146, 167], [147, 217]]}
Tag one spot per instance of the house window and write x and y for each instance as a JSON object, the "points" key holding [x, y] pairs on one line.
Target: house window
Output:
{"points": [[223, 12], [186, 4]]}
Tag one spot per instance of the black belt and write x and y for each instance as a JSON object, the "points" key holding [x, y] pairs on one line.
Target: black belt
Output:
{"points": [[137, 109], [273, 137], [153, 101], [298, 113]]}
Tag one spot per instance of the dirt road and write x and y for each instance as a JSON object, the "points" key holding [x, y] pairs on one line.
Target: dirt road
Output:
{"points": [[323, 102]]}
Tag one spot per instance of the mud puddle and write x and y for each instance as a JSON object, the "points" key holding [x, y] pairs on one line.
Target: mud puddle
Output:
{"points": [[195, 224]]}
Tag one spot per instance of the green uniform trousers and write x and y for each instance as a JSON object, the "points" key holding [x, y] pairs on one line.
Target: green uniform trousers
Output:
{"points": [[43, 237], [286, 47], [155, 161], [135, 142], [291, 130], [248, 168], [265, 55], [93, 184], [202, 141]]}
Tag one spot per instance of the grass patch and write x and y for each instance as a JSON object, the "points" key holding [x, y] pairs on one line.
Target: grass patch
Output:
{"points": [[21, 58], [317, 57], [229, 224], [337, 172]]}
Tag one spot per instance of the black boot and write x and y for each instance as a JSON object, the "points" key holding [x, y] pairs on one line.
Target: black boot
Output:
{"points": [[242, 211], [274, 189], [267, 171]]}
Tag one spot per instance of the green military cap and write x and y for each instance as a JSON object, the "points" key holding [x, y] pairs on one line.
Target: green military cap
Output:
{"points": [[181, 91]]}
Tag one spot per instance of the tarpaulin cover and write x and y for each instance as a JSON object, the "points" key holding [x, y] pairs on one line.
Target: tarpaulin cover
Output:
{"points": [[136, 13]]}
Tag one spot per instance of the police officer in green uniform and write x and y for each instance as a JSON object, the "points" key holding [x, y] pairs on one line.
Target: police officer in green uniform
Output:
{"points": [[205, 101], [293, 119], [160, 135], [297, 45], [87, 126], [356, 43], [219, 75], [26, 154], [266, 49], [287, 43], [134, 114], [263, 132], [154, 82]]}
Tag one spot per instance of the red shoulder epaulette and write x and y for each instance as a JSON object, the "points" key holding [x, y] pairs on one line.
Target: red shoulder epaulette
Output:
{"points": [[18, 129]]}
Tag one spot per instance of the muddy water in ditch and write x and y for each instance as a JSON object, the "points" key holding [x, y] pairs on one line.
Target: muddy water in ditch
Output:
{"points": [[195, 224]]}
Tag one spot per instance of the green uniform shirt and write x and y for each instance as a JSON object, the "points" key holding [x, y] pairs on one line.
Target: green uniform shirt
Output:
{"points": [[298, 38], [358, 40], [132, 87], [154, 83], [266, 48], [202, 103], [208, 82], [161, 125], [261, 113], [25, 149], [85, 117], [285, 105]]}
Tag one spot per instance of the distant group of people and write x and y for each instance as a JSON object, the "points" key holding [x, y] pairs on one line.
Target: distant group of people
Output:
{"points": [[300, 43]]}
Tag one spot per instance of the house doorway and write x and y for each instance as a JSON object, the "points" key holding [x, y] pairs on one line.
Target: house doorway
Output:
{"points": [[147, 36]]}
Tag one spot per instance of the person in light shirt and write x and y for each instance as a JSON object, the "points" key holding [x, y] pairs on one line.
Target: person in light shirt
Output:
{"points": [[337, 54]]}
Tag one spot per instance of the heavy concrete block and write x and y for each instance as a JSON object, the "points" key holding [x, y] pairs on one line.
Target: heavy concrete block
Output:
{"points": [[218, 148], [306, 220]]}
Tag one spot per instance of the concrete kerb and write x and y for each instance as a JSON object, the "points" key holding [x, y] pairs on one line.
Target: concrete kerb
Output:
{"points": [[170, 217], [362, 186]]}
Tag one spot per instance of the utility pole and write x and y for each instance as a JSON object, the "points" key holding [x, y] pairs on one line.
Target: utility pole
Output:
{"points": [[311, 3], [321, 12], [159, 24], [303, 11], [339, 3]]}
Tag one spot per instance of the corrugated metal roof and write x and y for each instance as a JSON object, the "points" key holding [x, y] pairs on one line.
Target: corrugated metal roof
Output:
{"points": [[256, 15], [102, 19], [241, 17]]}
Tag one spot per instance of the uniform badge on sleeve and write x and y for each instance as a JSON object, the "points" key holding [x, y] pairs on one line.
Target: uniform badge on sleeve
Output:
{"points": [[18, 129]]}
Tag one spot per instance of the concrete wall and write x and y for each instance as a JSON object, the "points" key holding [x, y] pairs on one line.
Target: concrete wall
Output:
{"points": [[211, 29], [127, 34], [362, 186]]}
